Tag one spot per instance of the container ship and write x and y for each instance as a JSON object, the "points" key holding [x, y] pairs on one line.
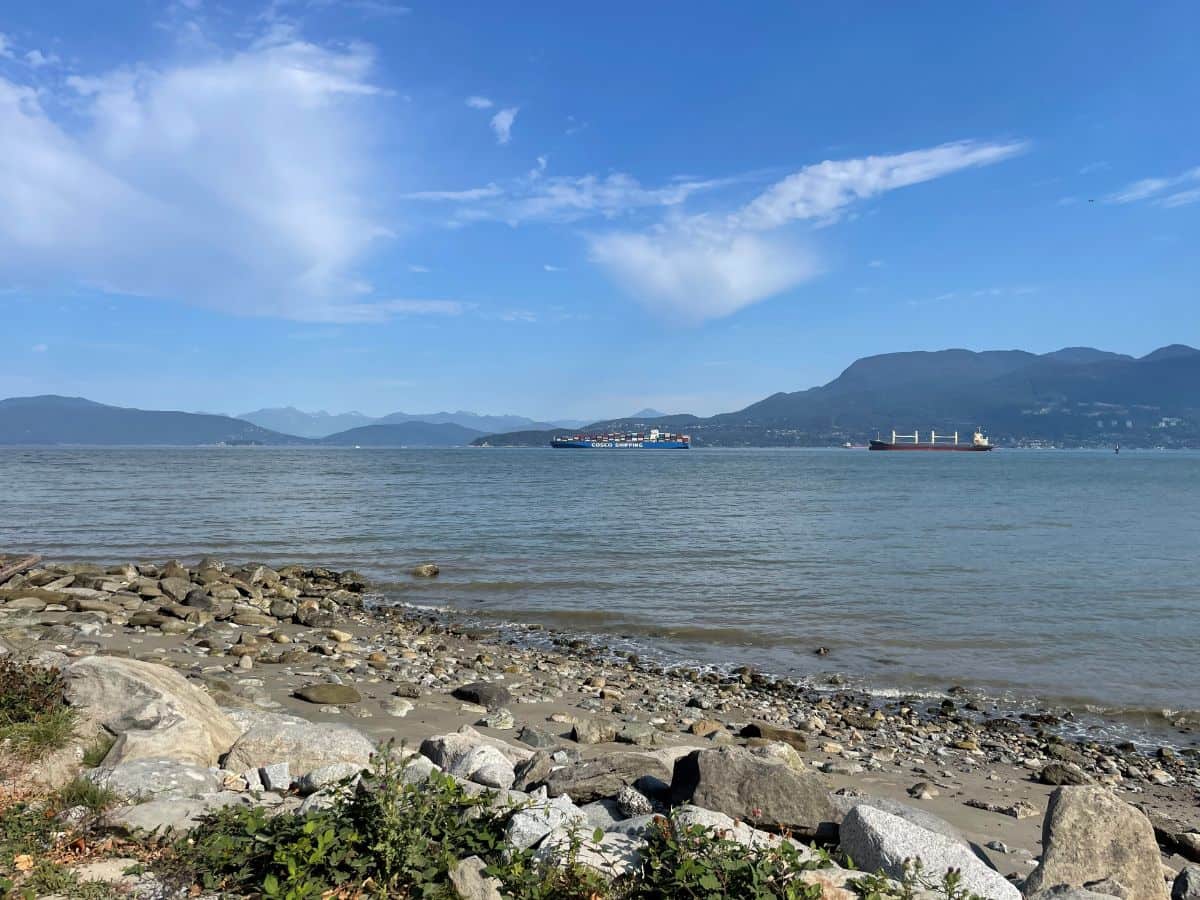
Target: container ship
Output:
{"points": [[624, 440], [936, 442]]}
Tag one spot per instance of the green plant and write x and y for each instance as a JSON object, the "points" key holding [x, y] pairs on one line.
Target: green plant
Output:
{"points": [[95, 753], [878, 886], [34, 717], [696, 862], [84, 792]]}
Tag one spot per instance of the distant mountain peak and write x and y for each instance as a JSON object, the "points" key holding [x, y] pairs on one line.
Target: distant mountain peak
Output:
{"points": [[1171, 351], [648, 413]]}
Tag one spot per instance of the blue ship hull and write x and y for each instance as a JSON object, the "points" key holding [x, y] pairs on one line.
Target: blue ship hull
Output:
{"points": [[620, 445]]}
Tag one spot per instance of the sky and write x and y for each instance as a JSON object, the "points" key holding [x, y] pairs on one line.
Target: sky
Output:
{"points": [[580, 210]]}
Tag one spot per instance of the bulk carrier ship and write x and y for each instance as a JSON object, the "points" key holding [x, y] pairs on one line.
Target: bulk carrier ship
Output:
{"points": [[624, 440], [936, 442]]}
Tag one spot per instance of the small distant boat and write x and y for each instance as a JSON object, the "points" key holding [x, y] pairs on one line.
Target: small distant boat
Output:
{"points": [[1117, 449], [936, 442]]}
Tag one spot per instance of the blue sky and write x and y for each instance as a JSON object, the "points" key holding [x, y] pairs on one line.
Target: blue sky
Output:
{"points": [[577, 211]]}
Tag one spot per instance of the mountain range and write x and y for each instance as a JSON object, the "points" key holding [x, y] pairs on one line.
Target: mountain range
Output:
{"points": [[1078, 396], [289, 420]]}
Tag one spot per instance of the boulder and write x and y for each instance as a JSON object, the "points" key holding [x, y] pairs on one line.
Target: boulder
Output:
{"points": [[1089, 836], [303, 745], [605, 777], [614, 856], [147, 779], [532, 823], [1062, 892], [760, 791], [1187, 884], [1062, 773], [445, 749], [483, 764], [843, 803], [796, 739], [177, 719], [326, 776], [688, 816], [331, 694], [174, 815], [484, 693], [875, 840], [470, 883], [594, 731]]}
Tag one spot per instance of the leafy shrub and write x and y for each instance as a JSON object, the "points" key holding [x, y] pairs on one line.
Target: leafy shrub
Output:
{"points": [[695, 862]]}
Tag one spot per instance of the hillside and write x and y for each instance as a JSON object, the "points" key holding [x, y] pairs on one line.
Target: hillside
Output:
{"points": [[405, 434], [51, 419], [1078, 396]]}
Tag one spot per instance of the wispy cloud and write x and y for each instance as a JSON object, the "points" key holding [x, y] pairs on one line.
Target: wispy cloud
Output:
{"points": [[478, 102], [418, 269], [240, 181], [550, 268], [564, 198], [704, 266], [1155, 188], [39, 348], [502, 124]]}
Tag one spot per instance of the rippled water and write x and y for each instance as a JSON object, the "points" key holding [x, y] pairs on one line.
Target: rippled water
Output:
{"points": [[1071, 576]]}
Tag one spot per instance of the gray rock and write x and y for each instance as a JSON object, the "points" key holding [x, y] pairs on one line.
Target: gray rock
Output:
{"points": [[1062, 892], [484, 764], [529, 825], [594, 731], [878, 840], [533, 771], [1187, 884], [720, 824], [604, 777], [633, 802], [167, 816], [1088, 836], [276, 777], [500, 719], [1061, 773], [470, 883], [758, 791], [843, 803], [326, 776], [638, 733], [176, 719], [398, 707], [153, 778], [602, 814], [484, 693], [425, 570], [798, 740], [330, 694], [176, 588], [615, 856], [536, 739], [303, 745]]}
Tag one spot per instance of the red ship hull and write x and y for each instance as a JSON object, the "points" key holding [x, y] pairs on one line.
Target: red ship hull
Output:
{"points": [[969, 448]]}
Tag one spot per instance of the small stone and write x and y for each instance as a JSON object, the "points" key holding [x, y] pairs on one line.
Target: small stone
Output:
{"points": [[484, 693], [340, 637], [632, 802], [594, 731], [501, 719], [469, 881], [923, 790], [397, 707], [425, 570]]}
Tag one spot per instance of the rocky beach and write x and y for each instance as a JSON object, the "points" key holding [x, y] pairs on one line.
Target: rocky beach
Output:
{"points": [[215, 684]]}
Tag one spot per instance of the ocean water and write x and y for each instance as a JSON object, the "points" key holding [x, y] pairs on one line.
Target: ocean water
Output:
{"points": [[1072, 577]]}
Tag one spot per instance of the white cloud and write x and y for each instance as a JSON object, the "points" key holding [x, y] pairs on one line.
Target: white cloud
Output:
{"points": [[1147, 188], [875, 264], [6, 51], [477, 102], [382, 310], [502, 123], [37, 59], [824, 190], [470, 194], [564, 198], [413, 267], [1183, 198], [39, 348], [703, 266], [550, 268], [695, 274], [240, 182]]}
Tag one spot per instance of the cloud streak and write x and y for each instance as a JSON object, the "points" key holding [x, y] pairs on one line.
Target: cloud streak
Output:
{"points": [[239, 182], [1155, 189], [699, 267]]}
